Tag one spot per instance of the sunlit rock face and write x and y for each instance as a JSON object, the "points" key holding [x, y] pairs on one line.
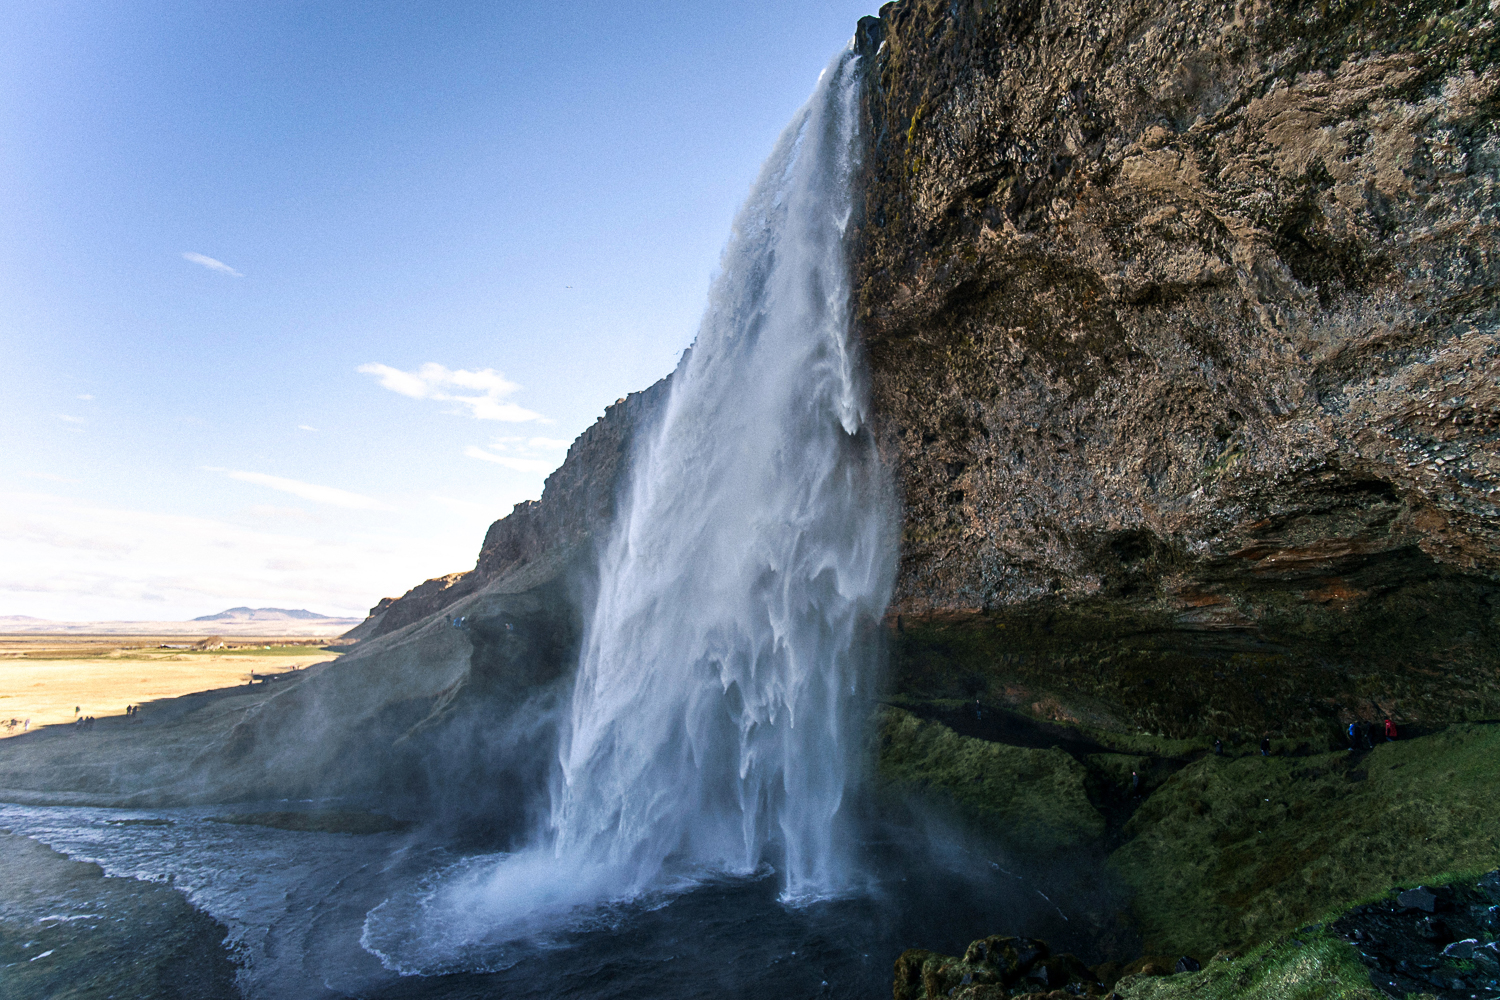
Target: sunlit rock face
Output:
{"points": [[577, 503], [1182, 327]]}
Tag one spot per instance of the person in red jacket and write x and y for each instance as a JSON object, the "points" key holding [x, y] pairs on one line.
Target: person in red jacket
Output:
{"points": [[1390, 731]]}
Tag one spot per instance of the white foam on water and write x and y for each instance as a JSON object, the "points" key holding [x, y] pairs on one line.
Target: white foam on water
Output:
{"points": [[713, 727]]}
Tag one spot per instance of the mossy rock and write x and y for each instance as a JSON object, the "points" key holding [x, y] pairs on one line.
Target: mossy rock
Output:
{"points": [[1232, 852], [1032, 800]]}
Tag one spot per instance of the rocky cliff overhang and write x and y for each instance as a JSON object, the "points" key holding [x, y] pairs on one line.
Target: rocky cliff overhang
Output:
{"points": [[1182, 326]]}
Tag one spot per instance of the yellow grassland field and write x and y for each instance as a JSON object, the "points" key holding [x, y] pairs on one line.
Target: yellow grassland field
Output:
{"points": [[48, 679]]}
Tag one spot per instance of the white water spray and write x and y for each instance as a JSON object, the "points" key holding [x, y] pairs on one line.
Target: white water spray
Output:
{"points": [[710, 719], [711, 728]]}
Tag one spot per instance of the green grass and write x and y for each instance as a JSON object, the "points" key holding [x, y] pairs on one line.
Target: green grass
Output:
{"points": [[1324, 968], [1030, 799], [1233, 852], [1133, 744]]}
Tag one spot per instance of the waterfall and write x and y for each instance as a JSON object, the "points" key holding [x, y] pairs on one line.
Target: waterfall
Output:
{"points": [[711, 717], [712, 727]]}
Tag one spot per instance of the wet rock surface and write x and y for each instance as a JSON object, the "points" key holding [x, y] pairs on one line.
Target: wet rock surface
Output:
{"points": [[1438, 941]]}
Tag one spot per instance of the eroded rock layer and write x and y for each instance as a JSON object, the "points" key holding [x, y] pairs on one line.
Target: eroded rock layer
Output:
{"points": [[1181, 320]]}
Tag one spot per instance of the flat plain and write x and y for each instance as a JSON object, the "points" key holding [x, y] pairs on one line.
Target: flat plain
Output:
{"points": [[50, 679]]}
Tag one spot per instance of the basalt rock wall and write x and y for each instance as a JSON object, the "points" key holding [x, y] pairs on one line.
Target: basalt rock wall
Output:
{"points": [[1182, 326]]}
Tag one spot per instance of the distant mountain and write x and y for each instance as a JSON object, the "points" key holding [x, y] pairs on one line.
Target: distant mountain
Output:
{"points": [[20, 618], [262, 615]]}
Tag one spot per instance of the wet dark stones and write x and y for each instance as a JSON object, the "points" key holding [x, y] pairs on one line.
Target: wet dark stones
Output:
{"points": [[1433, 941]]}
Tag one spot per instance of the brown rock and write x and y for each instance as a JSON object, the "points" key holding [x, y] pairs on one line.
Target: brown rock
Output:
{"points": [[1176, 326]]}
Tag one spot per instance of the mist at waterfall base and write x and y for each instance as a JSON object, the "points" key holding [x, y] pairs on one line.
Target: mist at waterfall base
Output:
{"points": [[697, 821]]}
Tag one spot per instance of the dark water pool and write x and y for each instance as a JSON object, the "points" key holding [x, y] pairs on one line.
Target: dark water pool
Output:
{"points": [[296, 905]]}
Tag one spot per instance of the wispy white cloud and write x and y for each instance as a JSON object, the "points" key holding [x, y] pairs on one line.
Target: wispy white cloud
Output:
{"points": [[511, 461], [329, 495], [304, 427], [433, 381], [70, 419], [548, 444], [271, 512], [211, 264], [68, 559]]}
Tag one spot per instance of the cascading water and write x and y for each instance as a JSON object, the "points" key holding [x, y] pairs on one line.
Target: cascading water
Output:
{"points": [[712, 722]]}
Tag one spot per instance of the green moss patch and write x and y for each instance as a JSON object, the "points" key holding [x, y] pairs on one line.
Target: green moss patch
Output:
{"points": [[1230, 852], [1028, 798], [1322, 968]]}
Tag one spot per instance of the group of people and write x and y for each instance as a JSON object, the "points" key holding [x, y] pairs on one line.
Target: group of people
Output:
{"points": [[82, 721], [1356, 733], [11, 724], [1371, 734]]}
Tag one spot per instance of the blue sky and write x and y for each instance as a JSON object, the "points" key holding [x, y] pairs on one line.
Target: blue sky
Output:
{"points": [[296, 298]]}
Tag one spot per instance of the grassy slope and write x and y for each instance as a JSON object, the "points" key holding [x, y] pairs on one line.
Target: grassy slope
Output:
{"points": [[1239, 852], [1030, 799], [1322, 969], [1229, 853]]}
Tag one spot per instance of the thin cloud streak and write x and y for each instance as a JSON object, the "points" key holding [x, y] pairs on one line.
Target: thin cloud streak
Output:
{"points": [[432, 381], [519, 464], [329, 495], [78, 560], [211, 264]]}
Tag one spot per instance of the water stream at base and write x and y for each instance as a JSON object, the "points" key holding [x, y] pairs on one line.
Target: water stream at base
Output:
{"points": [[295, 905]]}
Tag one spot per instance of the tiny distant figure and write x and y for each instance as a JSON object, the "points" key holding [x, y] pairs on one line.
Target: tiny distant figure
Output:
{"points": [[510, 627], [1265, 747], [1218, 748], [77, 709], [25, 725], [1370, 734], [1390, 731], [1353, 736], [1135, 782], [978, 713]]}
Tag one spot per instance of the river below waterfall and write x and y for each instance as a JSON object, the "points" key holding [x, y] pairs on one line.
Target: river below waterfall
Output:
{"points": [[296, 906]]}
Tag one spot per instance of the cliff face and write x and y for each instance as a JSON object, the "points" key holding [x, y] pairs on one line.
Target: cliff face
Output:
{"points": [[1181, 326], [1181, 320], [577, 500]]}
